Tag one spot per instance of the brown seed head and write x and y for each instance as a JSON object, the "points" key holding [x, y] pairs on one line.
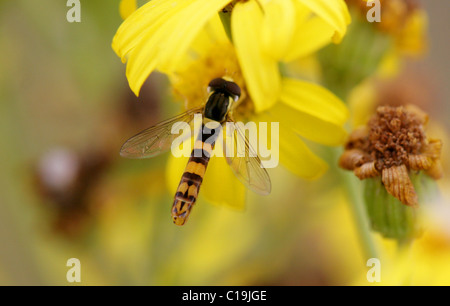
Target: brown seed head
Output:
{"points": [[394, 133], [393, 143]]}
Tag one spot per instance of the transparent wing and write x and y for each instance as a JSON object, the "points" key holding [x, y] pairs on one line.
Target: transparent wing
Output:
{"points": [[244, 161], [157, 139]]}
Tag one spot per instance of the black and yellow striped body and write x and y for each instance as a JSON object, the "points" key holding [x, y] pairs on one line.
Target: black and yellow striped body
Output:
{"points": [[216, 110], [192, 178]]}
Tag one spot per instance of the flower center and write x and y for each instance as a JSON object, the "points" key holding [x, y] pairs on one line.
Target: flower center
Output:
{"points": [[394, 133], [220, 61]]}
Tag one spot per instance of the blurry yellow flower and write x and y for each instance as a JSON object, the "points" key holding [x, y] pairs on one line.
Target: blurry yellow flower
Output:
{"points": [[412, 37], [362, 101], [301, 108], [158, 34], [374, 48], [403, 20]]}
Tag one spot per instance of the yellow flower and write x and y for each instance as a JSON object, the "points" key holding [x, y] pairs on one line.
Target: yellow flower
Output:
{"points": [[265, 32], [404, 22], [301, 108], [374, 49], [186, 41]]}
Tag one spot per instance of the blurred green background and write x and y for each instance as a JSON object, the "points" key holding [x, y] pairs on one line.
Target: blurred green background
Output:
{"points": [[66, 109]]}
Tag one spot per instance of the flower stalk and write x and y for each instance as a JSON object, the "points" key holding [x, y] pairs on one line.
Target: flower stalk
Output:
{"points": [[358, 208]]}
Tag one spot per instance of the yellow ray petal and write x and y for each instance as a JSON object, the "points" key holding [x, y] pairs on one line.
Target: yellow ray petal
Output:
{"points": [[174, 170], [212, 34], [139, 23], [209, 38], [259, 69], [309, 37], [278, 27], [126, 8], [334, 12], [159, 33], [221, 187], [293, 152], [412, 39], [192, 20], [309, 126], [314, 100]]}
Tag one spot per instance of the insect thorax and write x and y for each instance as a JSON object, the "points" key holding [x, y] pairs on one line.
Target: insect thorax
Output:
{"points": [[217, 106]]}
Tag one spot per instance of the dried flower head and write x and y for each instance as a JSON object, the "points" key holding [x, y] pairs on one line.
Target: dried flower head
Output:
{"points": [[392, 145]]}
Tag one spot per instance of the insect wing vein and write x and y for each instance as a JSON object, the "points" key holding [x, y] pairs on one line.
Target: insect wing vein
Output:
{"points": [[246, 165], [157, 139]]}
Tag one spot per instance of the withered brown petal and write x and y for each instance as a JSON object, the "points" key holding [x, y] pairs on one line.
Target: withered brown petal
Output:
{"points": [[419, 162], [351, 159], [367, 170], [397, 183]]}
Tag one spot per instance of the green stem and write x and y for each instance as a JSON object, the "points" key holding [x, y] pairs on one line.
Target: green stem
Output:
{"points": [[344, 66], [356, 202]]}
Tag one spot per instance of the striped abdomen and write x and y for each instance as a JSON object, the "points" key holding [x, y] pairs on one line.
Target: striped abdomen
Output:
{"points": [[192, 178]]}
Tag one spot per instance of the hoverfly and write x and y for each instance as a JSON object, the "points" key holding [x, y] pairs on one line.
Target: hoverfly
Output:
{"points": [[218, 109]]}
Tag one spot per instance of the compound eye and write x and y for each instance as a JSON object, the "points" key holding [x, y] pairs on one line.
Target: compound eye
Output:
{"points": [[225, 86], [234, 90], [217, 84]]}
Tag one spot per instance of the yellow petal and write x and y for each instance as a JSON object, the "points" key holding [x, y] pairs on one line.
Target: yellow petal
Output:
{"points": [[311, 111], [210, 37], [278, 27], [212, 34], [221, 187], [159, 33], [334, 12], [314, 100], [126, 8], [362, 103], [293, 152], [308, 126], [309, 37], [259, 69], [174, 171], [137, 25], [412, 39]]}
